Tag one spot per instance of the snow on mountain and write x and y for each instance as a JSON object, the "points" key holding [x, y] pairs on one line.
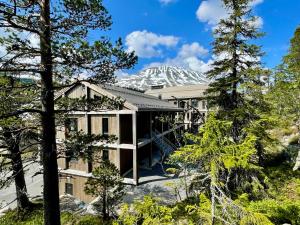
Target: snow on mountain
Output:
{"points": [[163, 75]]}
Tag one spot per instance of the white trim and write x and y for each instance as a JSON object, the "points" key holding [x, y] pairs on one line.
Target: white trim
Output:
{"points": [[103, 112]]}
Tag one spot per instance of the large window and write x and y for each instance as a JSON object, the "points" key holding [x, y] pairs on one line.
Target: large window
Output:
{"points": [[69, 188], [105, 126]]}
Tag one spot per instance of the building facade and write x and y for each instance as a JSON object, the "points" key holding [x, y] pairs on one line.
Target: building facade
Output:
{"points": [[136, 126], [191, 98]]}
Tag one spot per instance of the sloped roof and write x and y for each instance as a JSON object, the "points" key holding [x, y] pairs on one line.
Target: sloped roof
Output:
{"points": [[180, 92], [134, 100]]}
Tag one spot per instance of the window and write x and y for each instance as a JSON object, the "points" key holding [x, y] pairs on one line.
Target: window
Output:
{"points": [[182, 104], [69, 188], [195, 103], [72, 125], [105, 154], [159, 96], [105, 126]]}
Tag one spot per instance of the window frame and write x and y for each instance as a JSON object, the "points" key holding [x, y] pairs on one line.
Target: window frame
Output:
{"points": [[107, 126], [69, 186]]}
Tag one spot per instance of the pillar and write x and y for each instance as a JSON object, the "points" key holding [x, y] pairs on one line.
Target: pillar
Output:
{"points": [[135, 149]]}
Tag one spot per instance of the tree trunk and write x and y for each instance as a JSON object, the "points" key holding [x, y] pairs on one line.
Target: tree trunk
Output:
{"points": [[104, 205], [49, 154], [213, 203], [18, 172]]}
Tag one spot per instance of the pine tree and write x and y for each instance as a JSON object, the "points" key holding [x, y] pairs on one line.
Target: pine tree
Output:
{"points": [[105, 183], [17, 137], [237, 69], [48, 40]]}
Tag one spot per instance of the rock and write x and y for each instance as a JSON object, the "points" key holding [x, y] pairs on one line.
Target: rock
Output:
{"points": [[70, 204]]}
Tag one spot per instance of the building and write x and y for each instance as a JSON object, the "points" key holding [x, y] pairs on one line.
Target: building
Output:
{"points": [[189, 97], [136, 125]]}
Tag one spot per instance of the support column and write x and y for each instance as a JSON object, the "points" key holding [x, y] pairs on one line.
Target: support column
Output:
{"points": [[151, 143], [135, 150], [118, 158]]}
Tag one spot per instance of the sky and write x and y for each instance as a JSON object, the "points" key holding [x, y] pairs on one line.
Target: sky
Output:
{"points": [[179, 32]]}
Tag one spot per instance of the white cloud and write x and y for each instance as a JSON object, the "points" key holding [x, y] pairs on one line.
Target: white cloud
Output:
{"points": [[194, 49], [147, 44], [212, 11], [188, 57], [166, 2]]}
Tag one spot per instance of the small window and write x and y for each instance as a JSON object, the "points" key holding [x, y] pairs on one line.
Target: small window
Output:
{"points": [[182, 104], [195, 103], [69, 188], [105, 154], [72, 125], [105, 126]]}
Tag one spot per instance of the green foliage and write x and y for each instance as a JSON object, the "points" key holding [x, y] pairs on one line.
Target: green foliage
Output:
{"points": [[35, 217], [215, 152], [105, 183], [146, 212], [255, 219], [278, 212], [79, 145]]}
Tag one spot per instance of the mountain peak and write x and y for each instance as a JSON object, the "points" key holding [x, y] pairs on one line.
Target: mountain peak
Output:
{"points": [[163, 75]]}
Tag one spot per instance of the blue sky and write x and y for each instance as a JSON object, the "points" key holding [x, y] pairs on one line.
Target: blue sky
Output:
{"points": [[179, 32]]}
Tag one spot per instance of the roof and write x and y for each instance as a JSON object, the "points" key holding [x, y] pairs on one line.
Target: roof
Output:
{"points": [[180, 92], [134, 100]]}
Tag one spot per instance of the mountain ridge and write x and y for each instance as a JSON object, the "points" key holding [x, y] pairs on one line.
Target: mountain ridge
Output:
{"points": [[163, 75]]}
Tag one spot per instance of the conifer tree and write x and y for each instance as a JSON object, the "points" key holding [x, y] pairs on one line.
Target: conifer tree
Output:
{"points": [[49, 41], [285, 93], [105, 183], [17, 137], [237, 69]]}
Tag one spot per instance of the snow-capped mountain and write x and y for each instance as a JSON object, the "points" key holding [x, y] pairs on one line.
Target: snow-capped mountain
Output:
{"points": [[164, 75]]}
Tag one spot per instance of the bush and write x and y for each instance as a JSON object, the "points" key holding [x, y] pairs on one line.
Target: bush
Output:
{"points": [[90, 220], [278, 212], [35, 217]]}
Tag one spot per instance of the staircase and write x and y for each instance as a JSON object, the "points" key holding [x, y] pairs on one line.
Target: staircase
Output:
{"points": [[165, 145]]}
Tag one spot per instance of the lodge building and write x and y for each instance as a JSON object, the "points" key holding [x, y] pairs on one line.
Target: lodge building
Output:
{"points": [[191, 98], [140, 134]]}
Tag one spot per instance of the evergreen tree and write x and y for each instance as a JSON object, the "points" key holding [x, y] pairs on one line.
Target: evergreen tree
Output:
{"points": [[224, 168], [237, 70], [285, 93], [17, 137], [48, 40], [105, 183]]}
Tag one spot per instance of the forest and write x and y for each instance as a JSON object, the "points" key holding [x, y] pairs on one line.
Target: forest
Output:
{"points": [[242, 167]]}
